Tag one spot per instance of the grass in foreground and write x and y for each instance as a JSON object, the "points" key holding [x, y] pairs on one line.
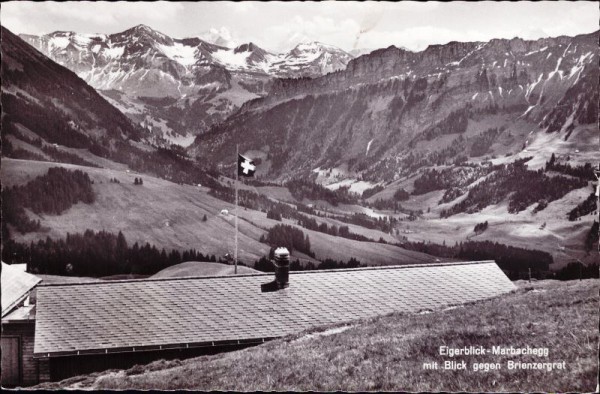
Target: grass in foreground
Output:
{"points": [[387, 353]]}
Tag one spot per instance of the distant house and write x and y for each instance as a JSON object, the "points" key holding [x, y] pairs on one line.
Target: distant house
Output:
{"points": [[86, 327], [18, 327]]}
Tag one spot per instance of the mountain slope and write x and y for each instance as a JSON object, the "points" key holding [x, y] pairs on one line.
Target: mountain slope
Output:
{"points": [[43, 98], [51, 114]]}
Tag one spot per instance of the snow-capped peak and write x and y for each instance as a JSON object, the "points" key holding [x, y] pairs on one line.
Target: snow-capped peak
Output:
{"points": [[142, 27], [315, 45]]}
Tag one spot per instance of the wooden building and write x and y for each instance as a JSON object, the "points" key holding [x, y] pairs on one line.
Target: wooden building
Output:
{"points": [[19, 368], [81, 328]]}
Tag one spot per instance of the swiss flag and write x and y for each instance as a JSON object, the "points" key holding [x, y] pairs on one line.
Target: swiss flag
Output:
{"points": [[246, 167]]}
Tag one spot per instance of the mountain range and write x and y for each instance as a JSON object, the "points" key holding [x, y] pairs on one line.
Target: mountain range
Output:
{"points": [[180, 87]]}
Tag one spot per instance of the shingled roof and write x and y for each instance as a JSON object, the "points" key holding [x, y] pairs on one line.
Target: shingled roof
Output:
{"points": [[124, 316], [16, 285]]}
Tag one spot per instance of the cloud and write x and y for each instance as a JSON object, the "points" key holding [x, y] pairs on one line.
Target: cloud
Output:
{"points": [[15, 25], [33, 17], [220, 36]]}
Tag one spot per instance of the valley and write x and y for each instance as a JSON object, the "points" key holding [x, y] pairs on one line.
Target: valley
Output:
{"points": [[171, 215], [439, 134]]}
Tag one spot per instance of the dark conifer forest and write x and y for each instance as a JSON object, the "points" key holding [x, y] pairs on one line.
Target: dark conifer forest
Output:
{"points": [[95, 254], [52, 193]]}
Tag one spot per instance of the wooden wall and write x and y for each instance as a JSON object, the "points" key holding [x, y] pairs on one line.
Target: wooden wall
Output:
{"points": [[27, 365]]}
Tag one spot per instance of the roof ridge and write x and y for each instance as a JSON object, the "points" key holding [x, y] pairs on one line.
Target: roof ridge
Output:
{"points": [[372, 268]]}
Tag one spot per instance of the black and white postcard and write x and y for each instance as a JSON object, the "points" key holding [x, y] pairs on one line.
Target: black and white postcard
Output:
{"points": [[300, 196]]}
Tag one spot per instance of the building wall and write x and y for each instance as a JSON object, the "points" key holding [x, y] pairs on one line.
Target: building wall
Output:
{"points": [[28, 365], [43, 370], [68, 366]]}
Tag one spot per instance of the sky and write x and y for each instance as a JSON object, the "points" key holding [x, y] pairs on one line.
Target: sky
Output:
{"points": [[279, 26]]}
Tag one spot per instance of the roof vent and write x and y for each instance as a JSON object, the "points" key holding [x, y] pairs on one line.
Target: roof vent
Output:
{"points": [[282, 271]]}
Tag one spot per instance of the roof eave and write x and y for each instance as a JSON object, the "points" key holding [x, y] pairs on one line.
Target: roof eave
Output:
{"points": [[148, 348]]}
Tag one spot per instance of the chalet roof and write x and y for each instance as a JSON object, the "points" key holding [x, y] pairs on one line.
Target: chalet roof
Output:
{"points": [[16, 285], [134, 315]]}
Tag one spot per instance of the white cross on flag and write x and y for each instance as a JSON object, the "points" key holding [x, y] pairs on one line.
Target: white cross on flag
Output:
{"points": [[246, 167]]}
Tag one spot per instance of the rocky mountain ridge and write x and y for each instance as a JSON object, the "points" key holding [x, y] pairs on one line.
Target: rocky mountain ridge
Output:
{"points": [[393, 111]]}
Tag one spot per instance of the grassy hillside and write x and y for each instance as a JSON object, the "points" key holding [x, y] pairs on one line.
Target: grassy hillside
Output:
{"points": [[524, 229], [170, 216], [521, 230], [387, 353]]}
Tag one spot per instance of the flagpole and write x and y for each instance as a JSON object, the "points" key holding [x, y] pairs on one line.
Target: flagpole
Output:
{"points": [[235, 256]]}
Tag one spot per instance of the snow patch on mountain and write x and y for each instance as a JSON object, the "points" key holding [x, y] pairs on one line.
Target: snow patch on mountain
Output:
{"points": [[532, 86], [230, 59], [369, 145], [556, 69], [58, 42], [457, 63], [182, 54], [536, 51], [113, 52]]}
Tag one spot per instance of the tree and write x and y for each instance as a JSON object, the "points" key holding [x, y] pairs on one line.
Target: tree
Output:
{"points": [[121, 248], [274, 214], [481, 227], [592, 237]]}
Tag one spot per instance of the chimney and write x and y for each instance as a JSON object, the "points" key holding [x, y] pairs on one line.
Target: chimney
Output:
{"points": [[282, 271]]}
